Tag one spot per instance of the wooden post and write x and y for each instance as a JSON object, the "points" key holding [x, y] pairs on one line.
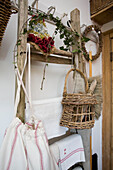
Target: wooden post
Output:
{"points": [[90, 75], [37, 4], [75, 22], [85, 134], [22, 17], [90, 64]]}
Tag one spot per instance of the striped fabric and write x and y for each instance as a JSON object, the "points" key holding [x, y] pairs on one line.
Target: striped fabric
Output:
{"points": [[26, 147]]}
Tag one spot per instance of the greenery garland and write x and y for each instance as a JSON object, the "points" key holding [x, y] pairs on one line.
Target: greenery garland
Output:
{"points": [[68, 36]]}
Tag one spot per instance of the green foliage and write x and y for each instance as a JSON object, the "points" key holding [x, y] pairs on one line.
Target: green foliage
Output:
{"points": [[30, 11], [76, 51], [85, 39], [25, 31], [69, 38], [18, 42]]}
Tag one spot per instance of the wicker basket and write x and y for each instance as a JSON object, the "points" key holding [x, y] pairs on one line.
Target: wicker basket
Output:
{"points": [[5, 13], [77, 108]]}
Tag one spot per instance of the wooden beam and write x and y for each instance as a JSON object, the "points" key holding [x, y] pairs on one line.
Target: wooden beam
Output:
{"points": [[62, 52], [50, 59], [58, 57], [107, 105], [103, 16], [22, 17], [75, 22], [108, 32], [35, 49], [102, 10]]}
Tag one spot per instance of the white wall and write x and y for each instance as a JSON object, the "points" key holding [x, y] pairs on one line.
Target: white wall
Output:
{"points": [[53, 85]]}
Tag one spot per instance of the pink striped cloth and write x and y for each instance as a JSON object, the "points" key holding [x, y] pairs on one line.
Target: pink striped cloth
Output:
{"points": [[68, 151], [26, 147]]}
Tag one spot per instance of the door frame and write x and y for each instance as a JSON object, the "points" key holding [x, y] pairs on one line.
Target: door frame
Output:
{"points": [[107, 103]]}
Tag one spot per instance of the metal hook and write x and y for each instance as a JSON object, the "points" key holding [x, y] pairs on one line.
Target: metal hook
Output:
{"points": [[33, 4], [50, 9], [83, 25], [64, 14]]}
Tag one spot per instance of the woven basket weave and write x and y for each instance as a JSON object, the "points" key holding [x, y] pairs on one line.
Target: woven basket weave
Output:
{"points": [[5, 13], [77, 108]]}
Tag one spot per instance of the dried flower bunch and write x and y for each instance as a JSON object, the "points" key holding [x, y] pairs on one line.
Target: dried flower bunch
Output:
{"points": [[45, 44]]}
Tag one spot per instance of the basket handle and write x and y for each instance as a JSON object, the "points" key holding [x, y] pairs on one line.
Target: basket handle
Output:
{"points": [[73, 69]]}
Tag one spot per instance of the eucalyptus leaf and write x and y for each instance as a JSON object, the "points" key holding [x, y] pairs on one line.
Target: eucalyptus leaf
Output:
{"points": [[85, 39], [61, 36], [25, 31]]}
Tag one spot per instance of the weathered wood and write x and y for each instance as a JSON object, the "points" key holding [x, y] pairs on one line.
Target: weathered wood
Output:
{"points": [[97, 5], [112, 159], [75, 22], [55, 139], [111, 50], [85, 134], [106, 124], [62, 52], [63, 57], [37, 4], [103, 15], [50, 59], [111, 36], [108, 32], [22, 17], [79, 63], [56, 51], [90, 75], [90, 64]]}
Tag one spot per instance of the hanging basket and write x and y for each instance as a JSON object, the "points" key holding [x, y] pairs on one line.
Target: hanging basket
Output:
{"points": [[77, 108], [5, 13]]}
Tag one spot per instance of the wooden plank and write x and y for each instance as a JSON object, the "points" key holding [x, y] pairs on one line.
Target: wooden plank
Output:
{"points": [[103, 16], [112, 115], [75, 22], [37, 4], [111, 46], [62, 52], [108, 32], [99, 5], [111, 49], [90, 64], [34, 49], [90, 75], [50, 59], [22, 17], [104, 109], [112, 159], [111, 36], [112, 143], [112, 94], [106, 125]]}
